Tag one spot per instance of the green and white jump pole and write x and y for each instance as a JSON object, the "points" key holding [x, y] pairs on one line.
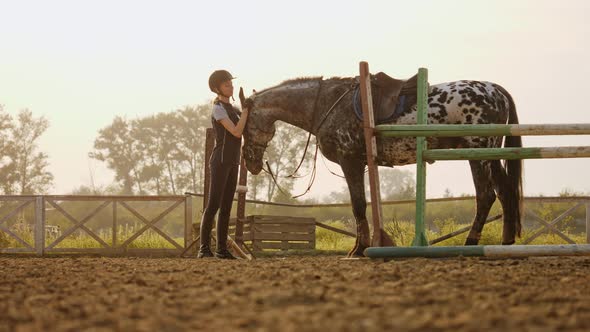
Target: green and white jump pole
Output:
{"points": [[479, 251], [421, 130]]}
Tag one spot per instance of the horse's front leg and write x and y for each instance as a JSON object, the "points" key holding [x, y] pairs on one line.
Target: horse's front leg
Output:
{"points": [[354, 171]]}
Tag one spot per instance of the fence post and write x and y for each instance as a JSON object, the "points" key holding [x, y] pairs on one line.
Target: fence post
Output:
{"points": [[371, 150], [39, 225], [241, 211], [420, 237], [188, 220], [114, 235]]}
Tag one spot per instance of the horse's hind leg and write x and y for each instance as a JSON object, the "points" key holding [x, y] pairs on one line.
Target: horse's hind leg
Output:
{"points": [[485, 197], [502, 187], [354, 172]]}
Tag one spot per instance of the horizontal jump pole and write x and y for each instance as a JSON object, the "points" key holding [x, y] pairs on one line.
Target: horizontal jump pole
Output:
{"points": [[507, 153], [479, 251], [460, 130]]}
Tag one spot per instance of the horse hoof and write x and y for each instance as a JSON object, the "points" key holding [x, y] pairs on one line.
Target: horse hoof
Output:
{"points": [[471, 242], [508, 243]]}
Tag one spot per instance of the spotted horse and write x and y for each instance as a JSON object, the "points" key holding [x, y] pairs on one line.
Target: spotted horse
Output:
{"points": [[325, 108]]}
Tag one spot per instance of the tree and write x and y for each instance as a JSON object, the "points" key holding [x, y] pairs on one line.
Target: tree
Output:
{"points": [[161, 154], [396, 184], [447, 193], [24, 169], [116, 147], [6, 167], [190, 145]]}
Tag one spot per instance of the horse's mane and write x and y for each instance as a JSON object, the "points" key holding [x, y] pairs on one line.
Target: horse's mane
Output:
{"points": [[302, 79]]}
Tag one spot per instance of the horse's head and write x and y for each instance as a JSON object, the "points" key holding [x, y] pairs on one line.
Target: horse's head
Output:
{"points": [[258, 132]]}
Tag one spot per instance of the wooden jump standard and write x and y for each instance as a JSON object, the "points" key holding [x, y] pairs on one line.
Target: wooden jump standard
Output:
{"points": [[422, 130]]}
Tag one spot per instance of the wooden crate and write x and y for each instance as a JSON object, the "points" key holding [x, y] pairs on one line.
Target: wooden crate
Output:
{"points": [[279, 232]]}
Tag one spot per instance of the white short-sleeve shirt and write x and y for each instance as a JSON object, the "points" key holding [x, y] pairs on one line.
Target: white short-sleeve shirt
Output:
{"points": [[219, 112]]}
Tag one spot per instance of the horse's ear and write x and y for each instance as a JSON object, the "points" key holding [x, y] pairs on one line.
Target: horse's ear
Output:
{"points": [[242, 97]]}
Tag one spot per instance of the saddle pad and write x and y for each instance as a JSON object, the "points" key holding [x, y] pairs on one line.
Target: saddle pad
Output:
{"points": [[401, 106]]}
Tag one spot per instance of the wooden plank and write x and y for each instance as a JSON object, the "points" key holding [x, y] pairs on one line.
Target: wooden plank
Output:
{"points": [[149, 252], [117, 251], [39, 225], [241, 210], [247, 236], [265, 228], [462, 130], [85, 250], [114, 241], [275, 217], [371, 151], [462, 230], [282, 220], [284, 237], [7, 198], [80, 198], [412, 201], [587, 222], [16, 250], [188, 220], [279, 245], [334, 229], [507, 153], [549, 199], [233, 222]]}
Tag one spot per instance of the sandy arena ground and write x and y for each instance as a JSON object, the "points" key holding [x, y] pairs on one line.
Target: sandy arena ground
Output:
{"points": [[321, 293]]}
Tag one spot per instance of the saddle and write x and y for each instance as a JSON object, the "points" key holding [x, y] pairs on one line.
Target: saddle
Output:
{"points": [[391, 97]]}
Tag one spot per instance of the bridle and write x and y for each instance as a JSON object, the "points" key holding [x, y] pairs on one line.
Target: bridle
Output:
{"points": [[314, 169]]}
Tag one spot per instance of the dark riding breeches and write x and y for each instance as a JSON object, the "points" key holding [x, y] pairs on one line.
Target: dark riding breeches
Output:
{"points": [[224, 178]]}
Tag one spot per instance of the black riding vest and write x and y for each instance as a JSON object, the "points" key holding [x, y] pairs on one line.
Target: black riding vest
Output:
{"points": [[227, 146]]}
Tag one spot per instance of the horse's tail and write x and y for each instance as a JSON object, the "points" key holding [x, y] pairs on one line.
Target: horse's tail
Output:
{"points": [[514, 169]]}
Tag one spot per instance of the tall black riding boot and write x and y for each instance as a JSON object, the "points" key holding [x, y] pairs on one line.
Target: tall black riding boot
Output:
{"points": [[222, 230], [205, 248]]}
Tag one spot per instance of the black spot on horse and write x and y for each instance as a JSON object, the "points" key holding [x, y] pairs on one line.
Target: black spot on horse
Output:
{"points": [[442, 110], [435, 92], [465, 102], [443, 97]]}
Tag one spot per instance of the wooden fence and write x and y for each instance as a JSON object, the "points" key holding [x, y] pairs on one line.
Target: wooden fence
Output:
{"points": [[262, 232], [114, 204]]}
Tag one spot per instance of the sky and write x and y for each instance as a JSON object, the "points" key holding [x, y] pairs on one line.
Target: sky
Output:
{"points": [[81, 63]]}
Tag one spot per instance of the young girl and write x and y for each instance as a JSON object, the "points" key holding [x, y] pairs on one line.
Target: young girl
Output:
{"points": [[228, 125]]}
